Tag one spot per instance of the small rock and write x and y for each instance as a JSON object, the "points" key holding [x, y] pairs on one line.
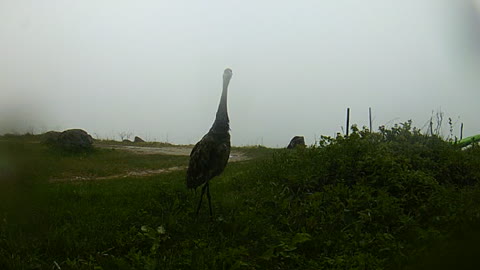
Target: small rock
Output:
{"points": [[138, 139], [296, 141]]}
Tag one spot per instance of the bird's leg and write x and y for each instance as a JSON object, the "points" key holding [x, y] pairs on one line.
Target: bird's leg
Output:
{"points": [[201, 197], [209, 200]]}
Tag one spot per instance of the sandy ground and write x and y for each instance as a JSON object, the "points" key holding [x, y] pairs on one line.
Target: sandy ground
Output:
{"points": [[168, 150], [117, 176]]}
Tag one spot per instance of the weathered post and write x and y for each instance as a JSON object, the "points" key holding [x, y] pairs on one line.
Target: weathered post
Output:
{"points": [[348, 120], [461, 131]]}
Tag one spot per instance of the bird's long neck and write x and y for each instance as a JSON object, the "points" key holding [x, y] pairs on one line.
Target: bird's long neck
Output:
{"points": [[221, 124]]}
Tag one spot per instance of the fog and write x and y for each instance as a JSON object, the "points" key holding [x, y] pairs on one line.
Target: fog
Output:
{"points": [[154, 68]]}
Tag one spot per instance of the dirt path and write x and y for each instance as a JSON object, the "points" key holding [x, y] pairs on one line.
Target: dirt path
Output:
{"points": [[142, 173], [145, 150], [168, 150]]}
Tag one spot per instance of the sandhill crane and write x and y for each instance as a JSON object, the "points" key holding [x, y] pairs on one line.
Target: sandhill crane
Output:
{"points": [[210, 155]]}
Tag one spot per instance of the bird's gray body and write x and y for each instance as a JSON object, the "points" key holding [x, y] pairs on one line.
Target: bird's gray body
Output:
{"points": [[210, 155], [208, 158]]}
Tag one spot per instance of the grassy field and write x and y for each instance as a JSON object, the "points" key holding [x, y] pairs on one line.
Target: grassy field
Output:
{"points": [[390, 200]]}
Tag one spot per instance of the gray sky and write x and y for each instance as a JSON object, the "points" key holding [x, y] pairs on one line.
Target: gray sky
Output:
{"points": [[154, 68]]}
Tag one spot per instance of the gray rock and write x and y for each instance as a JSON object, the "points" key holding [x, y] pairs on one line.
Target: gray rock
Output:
{"points": [[50, 137], [138, 139], [296, 141], [72, 140]]}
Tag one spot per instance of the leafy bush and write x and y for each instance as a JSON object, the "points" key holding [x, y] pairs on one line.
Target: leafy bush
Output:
{"points": [[373, 200]]}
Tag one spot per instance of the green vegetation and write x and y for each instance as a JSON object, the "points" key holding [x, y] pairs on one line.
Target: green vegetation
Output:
{"points": [[394, 199], [56, 164], [470, 140]]}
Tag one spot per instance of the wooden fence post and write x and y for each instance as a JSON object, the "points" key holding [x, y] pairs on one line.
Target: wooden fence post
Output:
{"points": [[348, 120]]}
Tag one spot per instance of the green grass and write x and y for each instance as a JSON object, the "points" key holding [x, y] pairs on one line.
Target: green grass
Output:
{"points": [[255, 152], [97, 163], [390, 200], [105, 162]]}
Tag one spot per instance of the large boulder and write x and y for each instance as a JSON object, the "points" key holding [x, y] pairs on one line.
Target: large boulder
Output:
{"points": [[138, 139], [296, 141], [50, 137], [72, 140]]}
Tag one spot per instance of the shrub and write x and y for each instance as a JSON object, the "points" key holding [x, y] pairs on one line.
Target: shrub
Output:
{"points": [[372, 200]]}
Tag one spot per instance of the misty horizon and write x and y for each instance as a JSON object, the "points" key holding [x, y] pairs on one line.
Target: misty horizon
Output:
{"points": [[155, 70]]}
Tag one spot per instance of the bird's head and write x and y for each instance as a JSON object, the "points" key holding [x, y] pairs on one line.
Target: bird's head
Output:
{"points": [[227, 74]]}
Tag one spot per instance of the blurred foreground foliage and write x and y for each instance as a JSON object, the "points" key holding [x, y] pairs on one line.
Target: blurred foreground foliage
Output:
{"points": [[393, 199]]}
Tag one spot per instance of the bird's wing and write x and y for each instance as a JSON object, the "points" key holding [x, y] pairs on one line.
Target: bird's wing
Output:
{"points": [[207, 160]]}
